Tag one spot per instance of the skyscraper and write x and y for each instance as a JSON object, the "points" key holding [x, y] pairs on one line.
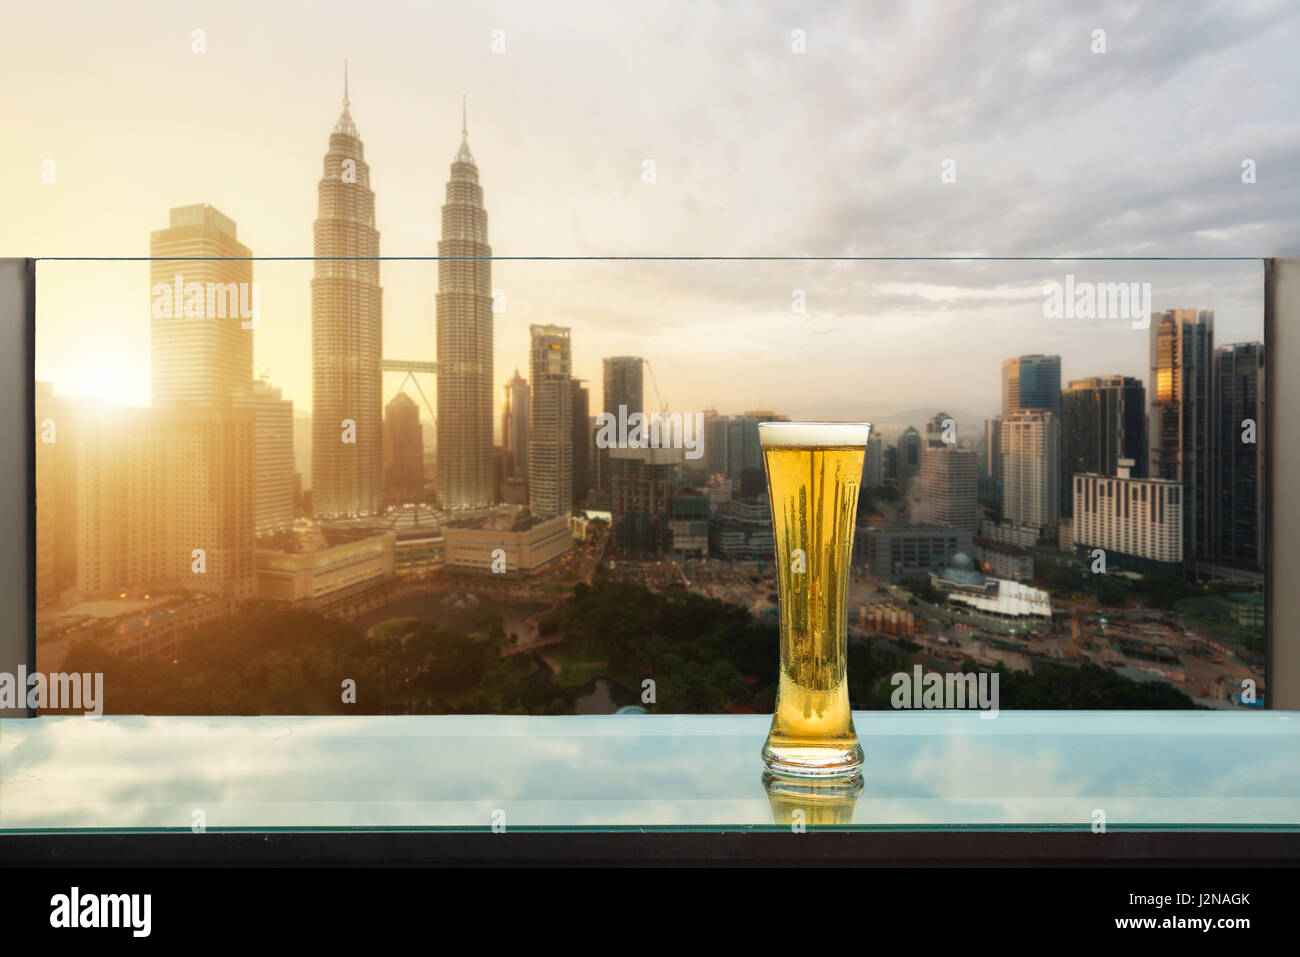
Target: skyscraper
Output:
{"points": [[873, 463], [126, 500], [514, 425], [46, 485], [1239, 454], [273, 469], [623, 384], [346, 333], [1179, 419], [550, 430], [580, 406], [215, 504], [993, 452], [1031, 382], [1103, 420], [464, 339], [201, 343], [949, 486], [909, 453], [1031, 450], [403, 452]]}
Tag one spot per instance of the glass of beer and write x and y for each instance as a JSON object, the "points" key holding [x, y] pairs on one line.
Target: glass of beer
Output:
{"points": [[813, 473]]}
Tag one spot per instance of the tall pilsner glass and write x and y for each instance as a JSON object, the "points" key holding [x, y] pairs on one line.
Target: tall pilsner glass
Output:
{"points": [[813, 473]]}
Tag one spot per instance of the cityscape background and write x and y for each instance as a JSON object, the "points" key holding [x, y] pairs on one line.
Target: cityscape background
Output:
{"points": [[391, 433]]}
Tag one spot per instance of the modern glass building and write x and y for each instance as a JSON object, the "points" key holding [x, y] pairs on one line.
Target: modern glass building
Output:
{"points": [[1239, 454], [1180, 415], [1103, 420], [1031, 382]]}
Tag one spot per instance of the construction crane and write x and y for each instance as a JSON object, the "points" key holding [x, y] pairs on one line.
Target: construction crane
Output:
{"points": [[663, 406]]}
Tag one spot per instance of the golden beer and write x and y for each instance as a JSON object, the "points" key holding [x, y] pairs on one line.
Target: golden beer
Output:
{"points": [[813, 473]]}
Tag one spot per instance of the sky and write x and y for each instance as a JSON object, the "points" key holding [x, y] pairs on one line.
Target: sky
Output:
{"points": [[758, 151]]}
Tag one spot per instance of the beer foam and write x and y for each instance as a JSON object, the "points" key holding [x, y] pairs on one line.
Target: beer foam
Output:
{"points": [[814, 434]]}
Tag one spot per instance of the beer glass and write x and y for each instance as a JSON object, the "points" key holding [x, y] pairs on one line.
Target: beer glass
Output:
{"points": [[813, 473]]}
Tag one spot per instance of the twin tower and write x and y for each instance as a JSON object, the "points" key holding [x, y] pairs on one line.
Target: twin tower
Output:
{"points": [[347, 336]]}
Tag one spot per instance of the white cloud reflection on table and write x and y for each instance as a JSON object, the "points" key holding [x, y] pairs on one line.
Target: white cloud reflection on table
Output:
{"points": [[923, 769]]}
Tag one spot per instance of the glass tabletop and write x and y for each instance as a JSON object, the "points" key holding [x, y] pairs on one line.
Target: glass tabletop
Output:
{"points": [[1021, 770]]}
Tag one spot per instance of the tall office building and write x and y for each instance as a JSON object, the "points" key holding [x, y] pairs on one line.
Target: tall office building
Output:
{"points": [[125, 500], [873, 463], [949, 487], [715, 442], [46, 476], [1103, 420], [273, 465], [550, 429], [201, 334], [514, 425], [1180, 417], [1031, 382], [909, 453], [579, 409], [623, 384], [347, 467], [403, 452], [215, 500], [464, 340], [1031, 450], [993, 447], [1238, 497]]}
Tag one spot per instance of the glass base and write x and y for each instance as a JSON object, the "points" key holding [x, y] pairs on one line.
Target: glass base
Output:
{"points": [[815, 761]]}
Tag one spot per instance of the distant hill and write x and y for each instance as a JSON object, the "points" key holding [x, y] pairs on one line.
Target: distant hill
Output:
{"points": [[970, 425]]}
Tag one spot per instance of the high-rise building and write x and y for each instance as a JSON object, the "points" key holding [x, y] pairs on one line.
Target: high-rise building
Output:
{"points": [[642, 484], [949, 487], [623, 384], [1103, 420], [201, 331], [1180, 426], [126, 488], [464, 340], [514, 426], [715, 442], [347, 340], [1031, 450], [873, 463], [165, 497], [46, 476], [215, 500], [273, 465], [993, 448], [403, 452], [1136, 522], [550, 428], [1031, 382], [909, 453], [580, 408], [1239, 452]]}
